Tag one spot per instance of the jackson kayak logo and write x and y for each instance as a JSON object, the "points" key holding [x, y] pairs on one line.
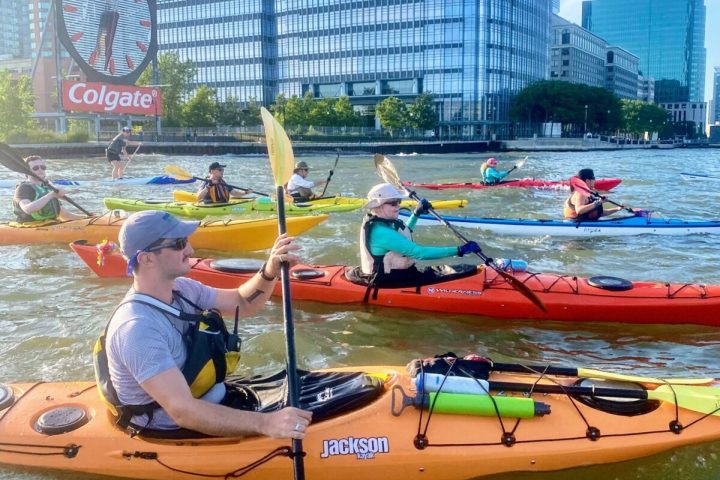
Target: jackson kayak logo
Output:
{"points": [[363, 448], [456, 291]]}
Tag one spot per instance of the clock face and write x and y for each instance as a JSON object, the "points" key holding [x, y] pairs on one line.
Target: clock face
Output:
{"points": [[111, 40]]}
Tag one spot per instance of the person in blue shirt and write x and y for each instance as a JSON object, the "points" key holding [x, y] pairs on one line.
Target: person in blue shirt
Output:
{"points": [[490, 173], [387, 250]]}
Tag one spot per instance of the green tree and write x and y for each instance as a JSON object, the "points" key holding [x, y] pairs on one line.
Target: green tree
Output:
{"points": [[278, 108], [201, 110], [564, 102], [229, 112], [16, 103], [251, 114], [393, 114], [345, 115], [297, 111], [641, 117], [176, 76], [422, 112]]}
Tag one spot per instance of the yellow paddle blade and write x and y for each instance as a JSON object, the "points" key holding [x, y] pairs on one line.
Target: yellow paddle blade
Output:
{"points": [[590, 373], [386, 170], [178, 172], [279, 148], [696, 398]]}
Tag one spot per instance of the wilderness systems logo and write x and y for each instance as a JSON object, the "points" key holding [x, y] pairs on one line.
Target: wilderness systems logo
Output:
{"points": [[107, 98], [456, 291], [363, 448]]}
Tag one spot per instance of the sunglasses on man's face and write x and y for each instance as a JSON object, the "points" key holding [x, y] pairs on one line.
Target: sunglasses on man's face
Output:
{"points": [[393, 203], [39, 167], [174, 244]]}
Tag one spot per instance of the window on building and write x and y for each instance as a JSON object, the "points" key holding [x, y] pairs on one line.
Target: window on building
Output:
{"points": [[361, 88], [396, 87]]}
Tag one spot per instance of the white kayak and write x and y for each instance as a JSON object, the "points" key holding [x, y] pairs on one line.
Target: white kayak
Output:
{"points": [[614, 227], [156, 180]]}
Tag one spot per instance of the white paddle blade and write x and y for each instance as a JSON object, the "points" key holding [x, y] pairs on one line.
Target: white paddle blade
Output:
{"points": [[280, 151], [521, 163], [387, 172]]}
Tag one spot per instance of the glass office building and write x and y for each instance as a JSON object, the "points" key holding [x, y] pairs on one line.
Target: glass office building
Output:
{"points": [[472, 55], [667, 35], [14, 29]]}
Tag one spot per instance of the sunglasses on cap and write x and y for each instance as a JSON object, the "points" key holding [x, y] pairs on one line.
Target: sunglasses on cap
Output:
{"points": [[393, 203], [174, 244], [39, 167]]}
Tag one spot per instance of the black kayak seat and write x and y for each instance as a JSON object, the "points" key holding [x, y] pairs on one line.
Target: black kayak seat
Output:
{"points": [[613, 284], [442, 273], [237, 265]]}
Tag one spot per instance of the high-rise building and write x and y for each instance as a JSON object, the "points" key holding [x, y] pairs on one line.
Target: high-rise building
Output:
{"points": [[14, 33], [668, 36], [579, 56], [715, 113], [472, 55]]}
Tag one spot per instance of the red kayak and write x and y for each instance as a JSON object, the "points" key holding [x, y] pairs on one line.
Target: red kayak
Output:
{"points": [[604, 184], [473, 291]]}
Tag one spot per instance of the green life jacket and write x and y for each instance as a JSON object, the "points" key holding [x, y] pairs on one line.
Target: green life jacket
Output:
{"points": [[50, 211], [212, 353]]}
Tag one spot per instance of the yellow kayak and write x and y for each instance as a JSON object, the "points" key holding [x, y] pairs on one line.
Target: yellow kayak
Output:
{"points": [[324, 205], [227, 235]]}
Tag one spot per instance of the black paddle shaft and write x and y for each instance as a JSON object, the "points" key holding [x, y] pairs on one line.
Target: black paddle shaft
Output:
{"points": [[12, 160], [332, 170]]}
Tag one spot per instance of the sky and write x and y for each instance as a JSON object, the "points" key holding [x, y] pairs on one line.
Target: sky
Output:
{"points": [[572, 10]]}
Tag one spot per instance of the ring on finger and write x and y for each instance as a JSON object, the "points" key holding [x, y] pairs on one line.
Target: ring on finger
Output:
{"points": [[298, 427]]}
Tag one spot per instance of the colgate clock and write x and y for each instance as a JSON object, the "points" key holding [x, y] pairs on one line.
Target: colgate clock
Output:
{"points": [[112, 41]]}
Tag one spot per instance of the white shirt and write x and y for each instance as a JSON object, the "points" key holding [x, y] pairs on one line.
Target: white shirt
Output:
{"points": [[296, 181]]}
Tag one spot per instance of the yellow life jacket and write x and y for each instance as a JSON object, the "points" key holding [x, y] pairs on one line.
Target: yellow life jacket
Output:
{"points": [[212, 353]]}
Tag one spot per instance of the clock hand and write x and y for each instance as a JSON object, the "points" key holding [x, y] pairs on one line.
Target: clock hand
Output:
{"points": [[106, 36]]}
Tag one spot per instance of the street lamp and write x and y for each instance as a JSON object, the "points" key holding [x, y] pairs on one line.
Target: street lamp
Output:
{"points": [[155, 102], [586, 119]]}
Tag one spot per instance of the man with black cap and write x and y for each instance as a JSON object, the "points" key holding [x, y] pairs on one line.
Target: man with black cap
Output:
{"points": [[584, 204], [299, 187], [116, 148], [215, 190], [152, 362]]}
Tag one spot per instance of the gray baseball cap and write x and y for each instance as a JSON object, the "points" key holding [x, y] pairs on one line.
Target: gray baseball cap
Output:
{"points": [[142, 229]]}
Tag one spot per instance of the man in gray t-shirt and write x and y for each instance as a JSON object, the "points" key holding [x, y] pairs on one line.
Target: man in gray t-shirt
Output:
{"points": [[144, 344]]}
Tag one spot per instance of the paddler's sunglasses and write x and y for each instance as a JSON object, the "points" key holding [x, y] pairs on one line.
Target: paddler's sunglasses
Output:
{"points": [[393, 203], [175, 244], [39, 167]]}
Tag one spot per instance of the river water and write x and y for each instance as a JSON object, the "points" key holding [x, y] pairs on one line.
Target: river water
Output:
{"points": [[53, 307]]}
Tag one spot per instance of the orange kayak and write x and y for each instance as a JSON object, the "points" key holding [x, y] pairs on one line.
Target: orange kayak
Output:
{"points": [[379, 439], [227, 235], [478, 291]]}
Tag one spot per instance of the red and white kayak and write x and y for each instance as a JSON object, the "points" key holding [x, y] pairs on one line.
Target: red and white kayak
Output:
{"points": [[603, 184], [473, 291]]}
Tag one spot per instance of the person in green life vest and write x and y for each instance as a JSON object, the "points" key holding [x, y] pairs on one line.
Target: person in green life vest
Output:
{"points": [[34, 201], [490, 173]]}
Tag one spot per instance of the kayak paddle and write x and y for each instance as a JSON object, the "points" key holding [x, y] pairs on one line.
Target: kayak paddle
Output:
{"points": [[518, 165], [592, 373], [12, 160], [282, 160], [576, 182], [182, 174], [133, 155], [387, 171], [332, 170]]}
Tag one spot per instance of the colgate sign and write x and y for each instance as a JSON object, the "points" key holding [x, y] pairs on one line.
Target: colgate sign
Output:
{"points": [[108, 98]]}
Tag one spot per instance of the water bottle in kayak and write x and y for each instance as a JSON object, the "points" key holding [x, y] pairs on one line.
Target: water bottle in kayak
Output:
{"points": [[433, 382], [511, 265]]}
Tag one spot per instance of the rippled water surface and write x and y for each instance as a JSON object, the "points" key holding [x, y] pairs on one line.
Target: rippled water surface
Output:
{"points": [[53, 307]]}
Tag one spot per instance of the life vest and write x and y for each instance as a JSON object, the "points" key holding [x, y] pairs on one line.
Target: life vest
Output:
{"points": [[483, 167], [218, 193], [212, 353], [116, 145], [50, 211], [374, 264], [570, 211]]}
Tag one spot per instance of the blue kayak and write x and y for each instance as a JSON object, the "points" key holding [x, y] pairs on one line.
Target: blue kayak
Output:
{"points": [[156, 180], [634, 225]]}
